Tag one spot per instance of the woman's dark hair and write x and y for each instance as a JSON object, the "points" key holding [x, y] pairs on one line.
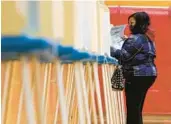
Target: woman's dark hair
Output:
{"points": [[142, 22]]}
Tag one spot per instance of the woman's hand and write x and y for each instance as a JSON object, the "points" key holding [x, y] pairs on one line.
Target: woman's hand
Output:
{"points": [[114, 52], [124, 37], [112, 49]]}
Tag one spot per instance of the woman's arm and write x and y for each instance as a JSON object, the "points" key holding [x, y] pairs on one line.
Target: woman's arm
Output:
{"points": [[115, 52], [130, 48]]}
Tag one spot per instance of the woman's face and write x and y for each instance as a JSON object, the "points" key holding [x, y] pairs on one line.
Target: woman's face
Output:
{"points": [[132, 22], [132, 25]]}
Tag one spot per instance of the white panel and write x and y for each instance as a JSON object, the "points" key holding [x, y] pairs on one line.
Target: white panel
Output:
{"points": [[106, 36], [87, 24], [94, 42], [22, 7], [58, 19], [78, 17], [105, 39], [31, 11]]}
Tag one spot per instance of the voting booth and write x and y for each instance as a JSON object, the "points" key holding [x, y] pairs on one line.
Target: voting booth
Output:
{"points": [[56, 67]]}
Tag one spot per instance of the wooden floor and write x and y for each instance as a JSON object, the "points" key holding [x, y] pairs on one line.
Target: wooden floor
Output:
{"points": [[157, 119], [153, 119]]}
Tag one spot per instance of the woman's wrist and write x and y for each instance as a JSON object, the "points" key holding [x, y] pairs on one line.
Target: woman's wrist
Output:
{"points": [[113, 49]]}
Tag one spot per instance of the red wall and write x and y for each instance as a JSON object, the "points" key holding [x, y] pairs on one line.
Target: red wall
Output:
{"points": [[158, 100]]}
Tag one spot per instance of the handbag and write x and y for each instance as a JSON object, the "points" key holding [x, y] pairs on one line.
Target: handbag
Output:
{"points": [[117, 80]]}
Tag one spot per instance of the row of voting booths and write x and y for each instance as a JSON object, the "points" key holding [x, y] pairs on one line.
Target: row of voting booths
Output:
{"points": [[56, 66]]}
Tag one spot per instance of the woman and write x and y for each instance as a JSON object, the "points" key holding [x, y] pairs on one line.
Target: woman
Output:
{"points": [[137, 58]]}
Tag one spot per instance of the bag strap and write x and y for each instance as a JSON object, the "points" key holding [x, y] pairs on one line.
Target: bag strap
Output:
{"points": [[137, 51]]}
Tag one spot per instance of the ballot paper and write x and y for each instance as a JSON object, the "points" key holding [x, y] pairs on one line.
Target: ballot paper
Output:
{"points": [[117, 32]]}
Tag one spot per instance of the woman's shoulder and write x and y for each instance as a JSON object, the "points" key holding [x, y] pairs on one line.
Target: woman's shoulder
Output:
{"points": [[138, 38]]}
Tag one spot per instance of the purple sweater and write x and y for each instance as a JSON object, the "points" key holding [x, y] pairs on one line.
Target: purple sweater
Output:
{"points": [[137, 55]]}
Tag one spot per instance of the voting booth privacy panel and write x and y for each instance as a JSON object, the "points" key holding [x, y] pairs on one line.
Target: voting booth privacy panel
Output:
{"points": [[54, 70], [158, 100]]}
